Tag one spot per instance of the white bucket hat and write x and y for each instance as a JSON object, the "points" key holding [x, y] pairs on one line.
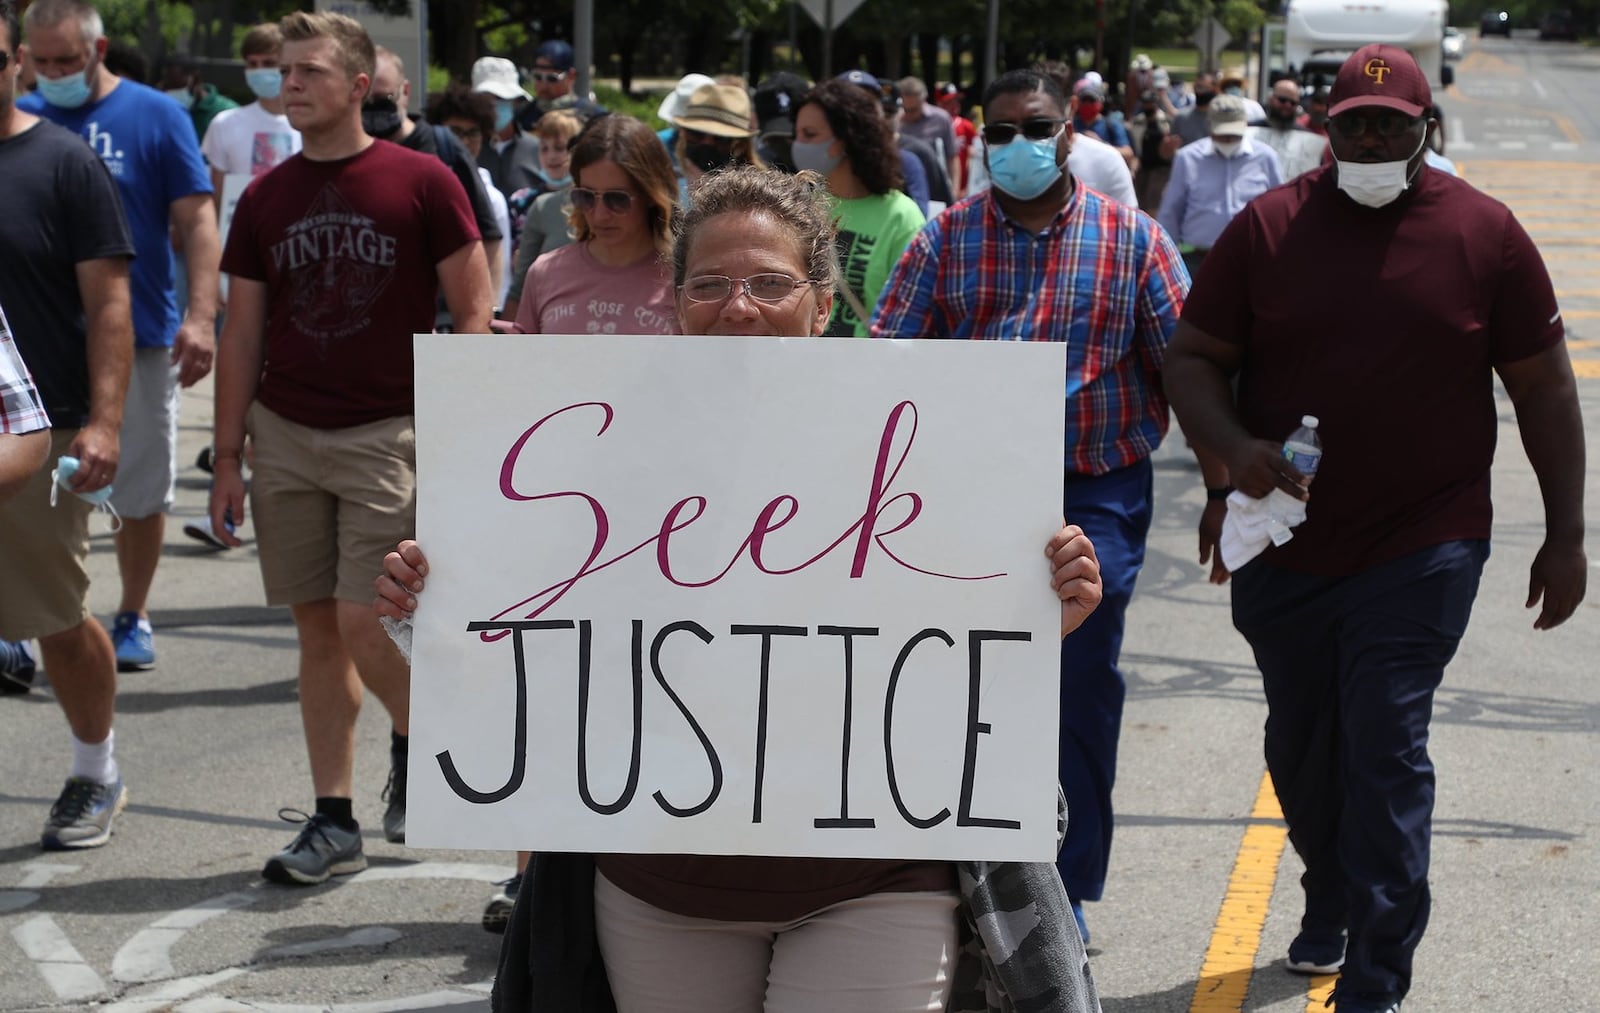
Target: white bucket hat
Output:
{"points": [[498, 76]]}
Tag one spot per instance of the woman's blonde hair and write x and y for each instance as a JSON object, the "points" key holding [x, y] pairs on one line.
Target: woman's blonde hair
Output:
{"points": [[800, 203]]}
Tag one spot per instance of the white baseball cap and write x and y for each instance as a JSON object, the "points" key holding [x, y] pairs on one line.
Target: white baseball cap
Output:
{"points": [[498, 76]]}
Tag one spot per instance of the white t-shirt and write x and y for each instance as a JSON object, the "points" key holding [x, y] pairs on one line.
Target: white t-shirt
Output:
{"points": [[1101, 167], [249, 140]]}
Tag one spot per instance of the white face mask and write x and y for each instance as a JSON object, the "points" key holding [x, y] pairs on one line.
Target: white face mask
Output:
{"points": [[1376, 184], [1227, 149]]}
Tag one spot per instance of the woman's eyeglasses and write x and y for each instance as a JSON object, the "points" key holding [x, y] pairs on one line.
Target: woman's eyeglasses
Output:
{"points": [[1040, 128], [768, 288], [1354, 124], [616, 201]]}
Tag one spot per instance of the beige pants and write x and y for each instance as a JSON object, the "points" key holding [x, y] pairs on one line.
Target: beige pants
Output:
{"points": [[883, 953]]}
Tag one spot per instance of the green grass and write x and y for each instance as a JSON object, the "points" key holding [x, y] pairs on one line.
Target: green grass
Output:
{"points": [[617, 101]]}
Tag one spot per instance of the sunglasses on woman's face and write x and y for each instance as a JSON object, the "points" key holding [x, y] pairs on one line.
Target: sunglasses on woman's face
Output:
{"points": [[616, 201], [1040, 128]]}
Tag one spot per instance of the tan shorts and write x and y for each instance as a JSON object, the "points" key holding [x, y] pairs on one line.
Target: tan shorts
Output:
{"points": [[328, 504], [44, 552]]}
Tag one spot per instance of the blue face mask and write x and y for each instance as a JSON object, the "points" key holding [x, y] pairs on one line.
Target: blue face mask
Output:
{"points": [[814, 156], [1024, 169], [554, 182], [502, 115], [67, 92], [264, 82]]}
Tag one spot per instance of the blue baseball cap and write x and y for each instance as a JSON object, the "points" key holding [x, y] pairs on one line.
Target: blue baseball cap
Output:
{"points": [[863, 79], [555, 52]]}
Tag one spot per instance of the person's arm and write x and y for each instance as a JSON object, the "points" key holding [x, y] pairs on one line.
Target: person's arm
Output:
{"points": [[1545, 396], [218, 177], [906, 306], [108, 311], [195, 217], [1174, 199], [528, 247], [464, 281], [239, 361]]}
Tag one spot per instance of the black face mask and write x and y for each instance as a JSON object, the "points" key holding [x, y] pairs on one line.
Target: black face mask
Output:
{"points": [[380, 117], [708, 157], [1203, 98]]}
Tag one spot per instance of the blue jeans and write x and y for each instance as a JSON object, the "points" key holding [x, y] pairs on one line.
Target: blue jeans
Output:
{"points": [[1114, 511], [1350, 665]]}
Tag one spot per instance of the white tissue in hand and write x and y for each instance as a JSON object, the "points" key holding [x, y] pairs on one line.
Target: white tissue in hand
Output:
{"points": [[399, 631], [1253, 524]]}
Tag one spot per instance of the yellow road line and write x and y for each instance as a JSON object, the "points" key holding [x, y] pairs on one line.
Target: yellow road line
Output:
{"points": [[1580, 314], [1586, 369], [1231, 958]]}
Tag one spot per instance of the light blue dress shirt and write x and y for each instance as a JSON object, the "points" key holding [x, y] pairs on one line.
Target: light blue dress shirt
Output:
{"points": [[1206, 189]]}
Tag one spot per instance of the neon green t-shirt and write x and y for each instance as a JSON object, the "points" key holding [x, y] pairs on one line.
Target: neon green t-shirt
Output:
{"points": [[873, 232]]}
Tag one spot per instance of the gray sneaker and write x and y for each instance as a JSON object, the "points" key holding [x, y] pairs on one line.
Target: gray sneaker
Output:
{"points": [[82, 816], [321, 849]]}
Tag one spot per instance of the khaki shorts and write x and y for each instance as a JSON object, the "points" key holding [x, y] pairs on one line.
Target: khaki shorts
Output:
{"points": [[44, 552], [147, 472], [328, 504]]}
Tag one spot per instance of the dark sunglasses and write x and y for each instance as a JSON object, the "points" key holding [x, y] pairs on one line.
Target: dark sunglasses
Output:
{"points": [[1388, 124], [466, 133], [548, 76], [1286, 100], [1040, 128], [616, 201]]}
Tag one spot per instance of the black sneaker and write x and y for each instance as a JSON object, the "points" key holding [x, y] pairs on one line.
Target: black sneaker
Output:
{"points": [[498, 912], [321, 849], [394, 793], [16, 667], [1316, 952]]}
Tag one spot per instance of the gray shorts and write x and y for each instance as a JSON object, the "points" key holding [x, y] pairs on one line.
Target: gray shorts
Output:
{"points": [[147, 472]]}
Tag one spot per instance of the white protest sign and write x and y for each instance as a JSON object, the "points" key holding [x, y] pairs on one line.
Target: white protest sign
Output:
{"points": [[780, 597]]}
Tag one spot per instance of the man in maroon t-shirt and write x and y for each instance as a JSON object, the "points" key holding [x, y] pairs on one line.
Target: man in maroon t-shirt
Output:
{"points": [[1423, 286], [336, 258]]}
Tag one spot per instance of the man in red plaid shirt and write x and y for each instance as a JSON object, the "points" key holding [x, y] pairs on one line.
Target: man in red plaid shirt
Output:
{"points": [[1040, 258], [24, 426]]}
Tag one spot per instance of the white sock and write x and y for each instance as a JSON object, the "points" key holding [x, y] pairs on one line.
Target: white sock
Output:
{"points": [[94, 760]]}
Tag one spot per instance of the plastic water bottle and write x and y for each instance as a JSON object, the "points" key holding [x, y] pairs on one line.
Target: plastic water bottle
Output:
{"points": [[1303, 448]]}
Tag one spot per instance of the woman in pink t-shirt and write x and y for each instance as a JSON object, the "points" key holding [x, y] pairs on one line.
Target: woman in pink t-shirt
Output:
{"points": [[617, 277]]}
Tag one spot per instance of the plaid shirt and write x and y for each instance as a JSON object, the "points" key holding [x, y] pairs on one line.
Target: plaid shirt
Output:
{"points": [[1102, 278], [20, 410]]}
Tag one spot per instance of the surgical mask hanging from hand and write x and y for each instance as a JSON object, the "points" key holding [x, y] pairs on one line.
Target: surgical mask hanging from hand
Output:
{"points": [[1376, 184], [1024, 169]]}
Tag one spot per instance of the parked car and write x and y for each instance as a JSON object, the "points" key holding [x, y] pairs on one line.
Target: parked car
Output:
{"points": [[1495, 22], [1559, 25], [1454, 43]]}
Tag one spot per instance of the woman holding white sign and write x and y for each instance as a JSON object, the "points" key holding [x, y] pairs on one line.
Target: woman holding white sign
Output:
{"points": [[756, 256]]}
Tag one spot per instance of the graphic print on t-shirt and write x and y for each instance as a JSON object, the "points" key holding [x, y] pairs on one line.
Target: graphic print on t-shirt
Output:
{"points": [[268, 149], [337, 264], [855, 253]]}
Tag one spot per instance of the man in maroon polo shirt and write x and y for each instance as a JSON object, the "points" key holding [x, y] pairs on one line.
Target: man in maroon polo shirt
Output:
{"points": [[1422, 286]]}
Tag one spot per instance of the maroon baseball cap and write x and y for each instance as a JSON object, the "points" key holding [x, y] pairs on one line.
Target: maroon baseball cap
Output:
{"points": [[1379, 75]]}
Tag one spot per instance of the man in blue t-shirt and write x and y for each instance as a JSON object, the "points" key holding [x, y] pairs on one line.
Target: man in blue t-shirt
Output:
{"points": [[148, 143]]}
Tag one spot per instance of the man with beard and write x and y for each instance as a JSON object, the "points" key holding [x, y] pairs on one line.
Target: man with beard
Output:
{"points": [[1299, 150], [1038, 257]]}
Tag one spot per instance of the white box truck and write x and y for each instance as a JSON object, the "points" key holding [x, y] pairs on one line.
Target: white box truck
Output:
{"points": [[1318, 35]]}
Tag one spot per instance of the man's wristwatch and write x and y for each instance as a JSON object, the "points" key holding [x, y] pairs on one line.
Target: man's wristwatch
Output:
{"points": [[1218, 492]]}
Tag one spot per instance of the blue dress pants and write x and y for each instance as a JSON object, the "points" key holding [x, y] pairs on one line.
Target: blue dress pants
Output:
{"points": [[1350, 665], [1114, 511]]}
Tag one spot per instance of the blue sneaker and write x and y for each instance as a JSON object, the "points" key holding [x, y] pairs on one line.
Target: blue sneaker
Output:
{"points": [[16, 667], [135, 643], [82, 816]]}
